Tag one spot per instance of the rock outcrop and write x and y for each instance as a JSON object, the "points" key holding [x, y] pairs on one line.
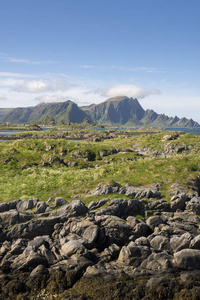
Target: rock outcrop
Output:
{"points": [[150, 244]]}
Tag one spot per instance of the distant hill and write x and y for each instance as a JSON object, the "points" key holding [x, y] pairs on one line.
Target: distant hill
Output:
{"points": [[47, 113], [114, 111]]}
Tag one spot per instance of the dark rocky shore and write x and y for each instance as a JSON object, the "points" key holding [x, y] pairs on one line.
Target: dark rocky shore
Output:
{"points": [[112, 249]]}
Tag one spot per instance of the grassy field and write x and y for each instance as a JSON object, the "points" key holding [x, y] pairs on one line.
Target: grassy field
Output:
{"points": [[47, 167]]}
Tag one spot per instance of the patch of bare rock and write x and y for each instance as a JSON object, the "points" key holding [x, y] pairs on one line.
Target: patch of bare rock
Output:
{"points": [[118, 249]]}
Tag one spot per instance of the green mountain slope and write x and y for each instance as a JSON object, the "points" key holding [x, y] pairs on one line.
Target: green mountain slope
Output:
{"points": [[47, 113]]}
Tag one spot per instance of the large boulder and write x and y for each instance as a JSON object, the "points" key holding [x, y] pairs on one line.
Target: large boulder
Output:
{"points": [[140, 228], [12, 217], [142, 192], [194, 205], [154, 221], [133, 255], [27, 204], [158, 205], [60, 201], [41, 207], [92, 234], [75, 208], [73, 247], [33, 228], [158, 262], [29, 262], [188, 259], [160, 243], [123, 208], [178, 243], [116, 230]]}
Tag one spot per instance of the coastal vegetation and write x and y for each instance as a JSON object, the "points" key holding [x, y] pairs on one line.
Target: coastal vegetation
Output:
{"points": [[51, 167]]}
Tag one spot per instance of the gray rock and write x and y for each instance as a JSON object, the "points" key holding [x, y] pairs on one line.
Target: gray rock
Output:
{"points": [[95, 205], [73, 247], [75, 208], [39, 240], [40, 269], [178, 204], [74, 267], [92, 205], [18, 246], [160, 243], [195, 243], [188, 259], [104, 189], [12, 217], [158, 262], [4, 207], [116, 230], [59, 201], [154, 221], [141, 192], [112, 251], [133, 255], [31, 229], [5, 247], [194, 205], [158, 205], [142, 241], [13, 204], [177, 243], [25, 205], [40, 207], [50, 257], [91, 234], [123, 208], [29, 262]]}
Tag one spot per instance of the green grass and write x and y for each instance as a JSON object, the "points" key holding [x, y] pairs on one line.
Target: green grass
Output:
{"points": [[24, 177]]}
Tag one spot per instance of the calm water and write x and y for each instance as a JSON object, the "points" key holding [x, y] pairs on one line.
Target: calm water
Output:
{"points": [[190, 130], [9, 132]]}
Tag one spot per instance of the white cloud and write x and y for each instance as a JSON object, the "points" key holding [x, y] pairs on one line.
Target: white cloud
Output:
{"points": [[41, 85], [10, 82], [130, 90], [33, 86]]}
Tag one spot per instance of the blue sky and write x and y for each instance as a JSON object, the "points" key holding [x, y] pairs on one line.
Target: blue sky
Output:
{"points": [[90, 50]]}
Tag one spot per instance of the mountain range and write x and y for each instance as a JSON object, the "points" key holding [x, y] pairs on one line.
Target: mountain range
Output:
{"points": [[114, 111]]}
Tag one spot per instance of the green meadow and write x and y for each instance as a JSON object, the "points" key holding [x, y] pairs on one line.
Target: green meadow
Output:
{"points": [[46, 168]]}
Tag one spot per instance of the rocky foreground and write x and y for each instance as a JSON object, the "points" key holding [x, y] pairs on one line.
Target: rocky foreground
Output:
{"points": [[112, 249]]}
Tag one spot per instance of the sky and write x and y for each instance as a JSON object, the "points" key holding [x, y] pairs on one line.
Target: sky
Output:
{"points": [[90, 50]]}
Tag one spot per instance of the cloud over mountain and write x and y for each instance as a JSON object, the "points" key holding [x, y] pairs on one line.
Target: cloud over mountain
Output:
{"points": [[130, 90]]}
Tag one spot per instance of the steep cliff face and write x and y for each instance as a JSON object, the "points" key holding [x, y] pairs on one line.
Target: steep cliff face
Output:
{"points": [[117, 110]]}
